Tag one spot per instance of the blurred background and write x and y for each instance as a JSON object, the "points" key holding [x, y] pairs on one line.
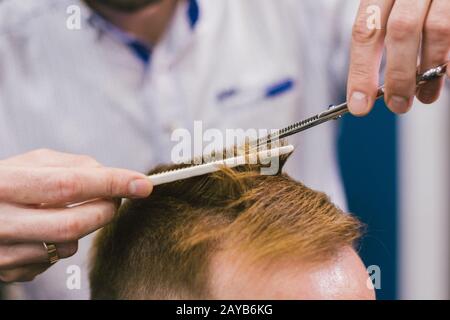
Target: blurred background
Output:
{"points": [[396, 172]]}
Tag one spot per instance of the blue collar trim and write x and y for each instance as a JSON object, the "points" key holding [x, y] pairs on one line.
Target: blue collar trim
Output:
{"points": [[193, 13], [141, 50]]}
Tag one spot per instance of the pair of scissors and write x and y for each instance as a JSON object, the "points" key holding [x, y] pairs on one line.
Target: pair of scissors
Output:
{"points": [[336, 112]]}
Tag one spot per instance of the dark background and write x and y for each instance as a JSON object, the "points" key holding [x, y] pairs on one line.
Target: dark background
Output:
{"points": [[368, 161]]}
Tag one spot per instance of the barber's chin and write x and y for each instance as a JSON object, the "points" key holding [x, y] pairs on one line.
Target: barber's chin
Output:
{"points": [[129, 7], [147, 9]]}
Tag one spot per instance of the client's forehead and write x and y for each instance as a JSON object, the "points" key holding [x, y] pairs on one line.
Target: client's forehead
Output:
{"points": [[341, 277]]}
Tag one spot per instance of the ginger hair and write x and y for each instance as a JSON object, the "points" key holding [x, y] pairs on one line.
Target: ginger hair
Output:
{"points": [[160, 247]]}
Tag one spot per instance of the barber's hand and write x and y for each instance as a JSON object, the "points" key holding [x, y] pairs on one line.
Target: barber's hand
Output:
{"points": [[405, 25], [36, 190]]}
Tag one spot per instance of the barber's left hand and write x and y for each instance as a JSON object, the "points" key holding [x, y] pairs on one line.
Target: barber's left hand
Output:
{"points": [[409, 29]]}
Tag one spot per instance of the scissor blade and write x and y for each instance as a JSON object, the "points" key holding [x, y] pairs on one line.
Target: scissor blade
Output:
{"points": [[335, 112]]}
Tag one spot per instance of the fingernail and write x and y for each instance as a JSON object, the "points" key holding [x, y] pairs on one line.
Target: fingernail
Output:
{"points": [[359, 103], [140, 188], [398, 104]]}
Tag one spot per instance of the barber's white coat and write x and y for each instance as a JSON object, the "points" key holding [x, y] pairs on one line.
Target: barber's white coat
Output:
{"points": [[81, 91]]}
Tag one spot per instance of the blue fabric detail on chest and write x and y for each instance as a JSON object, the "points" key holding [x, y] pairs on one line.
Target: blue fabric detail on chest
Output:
{"points": [[224, 95], [193, 12], [279, 88]]}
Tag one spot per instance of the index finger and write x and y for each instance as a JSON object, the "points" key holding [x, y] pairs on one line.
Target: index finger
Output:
{"points": [[27, 185], [368, 36]]}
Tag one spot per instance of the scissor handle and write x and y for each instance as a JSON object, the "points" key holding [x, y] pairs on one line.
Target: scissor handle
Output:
{"points": [[432, 74], [422, 78]]}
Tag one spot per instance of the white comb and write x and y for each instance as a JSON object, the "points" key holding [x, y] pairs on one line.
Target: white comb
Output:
{"points": [[199, 170]]}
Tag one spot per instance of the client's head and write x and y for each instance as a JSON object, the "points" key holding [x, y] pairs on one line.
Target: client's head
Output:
{"points": [[233, 234]]}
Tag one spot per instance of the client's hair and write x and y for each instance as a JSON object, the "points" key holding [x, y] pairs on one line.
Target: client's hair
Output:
{"points": [[160, 247]]}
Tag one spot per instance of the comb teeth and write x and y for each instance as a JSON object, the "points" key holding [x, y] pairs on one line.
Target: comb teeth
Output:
{"points": [[202, 169], [172, 170], [217, 156]]}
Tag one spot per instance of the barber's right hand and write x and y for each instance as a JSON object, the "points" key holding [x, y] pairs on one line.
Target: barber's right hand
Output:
{"points": [[56, 198]]}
